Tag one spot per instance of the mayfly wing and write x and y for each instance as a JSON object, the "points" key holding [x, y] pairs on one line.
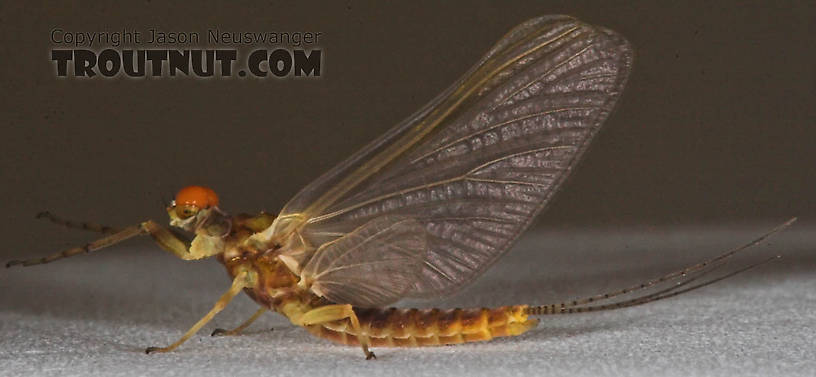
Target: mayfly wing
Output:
{"points": [[377, 263], [478, 163]]}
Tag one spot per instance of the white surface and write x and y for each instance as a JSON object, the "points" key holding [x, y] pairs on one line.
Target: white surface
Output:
{"points": [[94, 315]]}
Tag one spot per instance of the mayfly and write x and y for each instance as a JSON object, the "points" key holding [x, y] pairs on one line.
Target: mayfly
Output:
{"points": [[423, 210]]}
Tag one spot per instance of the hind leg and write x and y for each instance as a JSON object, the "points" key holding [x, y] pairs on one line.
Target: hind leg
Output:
{"points": [[331, 313]]}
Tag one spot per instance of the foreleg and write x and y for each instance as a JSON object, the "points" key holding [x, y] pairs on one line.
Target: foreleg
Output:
{"points": [[166, 240]]}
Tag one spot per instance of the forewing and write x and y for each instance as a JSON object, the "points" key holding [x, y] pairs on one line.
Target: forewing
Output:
{"points": [[372, 266], [476, 165]]}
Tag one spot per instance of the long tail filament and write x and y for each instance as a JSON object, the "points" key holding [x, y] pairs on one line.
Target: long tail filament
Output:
{"points": [[575, 306]]}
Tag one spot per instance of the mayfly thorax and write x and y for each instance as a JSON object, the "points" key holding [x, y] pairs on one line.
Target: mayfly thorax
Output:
{"points": [[423, 210]]}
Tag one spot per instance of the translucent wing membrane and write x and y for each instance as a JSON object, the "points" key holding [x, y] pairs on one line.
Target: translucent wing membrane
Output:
{"points": [[372, 266], [477, 164]]}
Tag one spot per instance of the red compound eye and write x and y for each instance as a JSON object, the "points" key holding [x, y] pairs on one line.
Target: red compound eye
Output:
{"points": [[197, 196]]}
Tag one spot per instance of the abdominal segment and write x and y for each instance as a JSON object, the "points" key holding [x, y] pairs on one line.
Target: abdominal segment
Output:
{"points": [[394, 327]]}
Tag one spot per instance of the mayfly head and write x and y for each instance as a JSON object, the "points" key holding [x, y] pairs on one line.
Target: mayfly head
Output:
{"points": [[195, 208]]}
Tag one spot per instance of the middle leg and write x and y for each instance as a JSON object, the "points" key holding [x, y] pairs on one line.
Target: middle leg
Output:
{"points": [[243, 280], [241, 327]]}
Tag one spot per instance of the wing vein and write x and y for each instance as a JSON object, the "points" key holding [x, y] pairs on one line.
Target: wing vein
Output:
{"points": [[469, 170], [363, 242], [425, 186], [505, 181], [550, 71], [492, 127], [418, 133], [509, 156]]}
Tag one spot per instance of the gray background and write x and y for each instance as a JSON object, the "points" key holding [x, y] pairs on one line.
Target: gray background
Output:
{"points": [[710, 144]]}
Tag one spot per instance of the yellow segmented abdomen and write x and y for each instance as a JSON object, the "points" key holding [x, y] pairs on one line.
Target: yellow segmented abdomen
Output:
{"points": [[394, 327]]}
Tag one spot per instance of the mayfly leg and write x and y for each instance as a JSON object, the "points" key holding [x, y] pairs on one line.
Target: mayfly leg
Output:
{"points": [[331, 313], [93, 227], [241, 327], [120, 236], [163, 237], [243, 280]]}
